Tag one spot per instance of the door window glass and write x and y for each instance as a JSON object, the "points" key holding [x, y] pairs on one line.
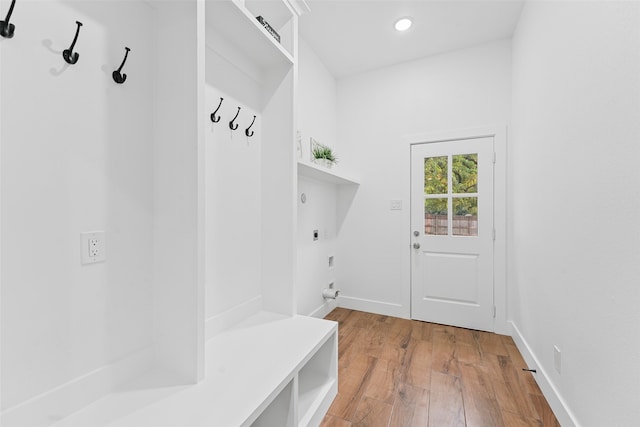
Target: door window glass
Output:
{"points": [[465, 216], [464, 173], [436, 175], [451, 195], [436, 217]]}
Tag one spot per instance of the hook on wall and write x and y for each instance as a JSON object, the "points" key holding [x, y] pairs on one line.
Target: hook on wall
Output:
{"points": [[117, 76], [6, 28], [246, 131], [68, 54], [231, 124], [214, 118]]}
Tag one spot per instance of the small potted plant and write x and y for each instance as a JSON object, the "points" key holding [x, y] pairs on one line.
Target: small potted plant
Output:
{"points": [[323, 155]]}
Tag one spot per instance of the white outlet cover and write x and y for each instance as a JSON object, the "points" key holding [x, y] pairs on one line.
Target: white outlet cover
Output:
{"points": [[557, 359], [92, 247], [395, 205]]}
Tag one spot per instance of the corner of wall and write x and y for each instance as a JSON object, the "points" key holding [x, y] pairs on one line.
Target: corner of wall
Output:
{"points": [[551, 393]]}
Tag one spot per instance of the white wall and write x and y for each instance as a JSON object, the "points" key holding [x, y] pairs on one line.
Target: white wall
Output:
{"points": [[317, 101], [233, 190], [76, 156], [313, 271], [317, 118], [574, 251], [377, 111]]}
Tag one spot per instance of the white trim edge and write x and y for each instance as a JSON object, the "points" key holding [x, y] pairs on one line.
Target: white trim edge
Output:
{"points": [[370, 306], [220, 322], [324, 309], [558, 405], [62, 401]]}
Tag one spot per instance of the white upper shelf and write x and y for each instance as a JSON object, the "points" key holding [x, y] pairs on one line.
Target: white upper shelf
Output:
{"points": [[238, 25], [310, 170]]}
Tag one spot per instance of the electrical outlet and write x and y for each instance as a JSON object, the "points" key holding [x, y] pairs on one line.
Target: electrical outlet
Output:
{"points": [[395, 205], [94, 251], [557, 359], [92, 247]]}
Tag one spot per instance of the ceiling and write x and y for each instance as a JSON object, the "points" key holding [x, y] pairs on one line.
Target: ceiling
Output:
{"points": [[354, 36]]}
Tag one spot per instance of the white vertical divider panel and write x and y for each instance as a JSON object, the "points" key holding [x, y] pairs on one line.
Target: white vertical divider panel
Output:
{"points": [[201, 119], [278, 198], [178, 302], [279, 186], [1, 232]]}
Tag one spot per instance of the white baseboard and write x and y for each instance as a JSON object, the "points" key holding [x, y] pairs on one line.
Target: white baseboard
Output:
{"points": [[52, 406], [557, 403], [220, 322], [370, 306], [324, 309]]}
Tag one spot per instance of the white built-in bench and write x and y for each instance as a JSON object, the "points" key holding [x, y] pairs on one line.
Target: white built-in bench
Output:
{"points": [[270, 370]]}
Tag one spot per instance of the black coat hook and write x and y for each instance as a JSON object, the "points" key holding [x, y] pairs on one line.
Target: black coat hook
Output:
{"points": [[68, 54], [246, 131], [7, 29], [215, 119], [117, 77], [231, 125]]}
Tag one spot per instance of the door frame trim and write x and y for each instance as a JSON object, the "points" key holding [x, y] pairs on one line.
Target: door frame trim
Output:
{"points": [[499, 134]]}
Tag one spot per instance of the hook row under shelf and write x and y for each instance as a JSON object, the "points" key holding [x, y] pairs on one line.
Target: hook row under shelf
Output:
{"points": [[215, 118]]}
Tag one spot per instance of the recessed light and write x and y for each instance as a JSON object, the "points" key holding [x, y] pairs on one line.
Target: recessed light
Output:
{"points": [[403, 24]]}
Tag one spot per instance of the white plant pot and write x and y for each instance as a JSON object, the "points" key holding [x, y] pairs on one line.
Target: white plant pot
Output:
{"points": [[324, 162]]}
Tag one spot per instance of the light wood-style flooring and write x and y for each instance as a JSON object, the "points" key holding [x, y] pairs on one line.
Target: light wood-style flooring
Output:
{"points": [[396, 372]]}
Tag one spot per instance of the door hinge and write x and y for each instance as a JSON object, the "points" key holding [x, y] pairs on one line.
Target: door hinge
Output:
{"points": [[494, 311], [494, 157], [494, 234]]}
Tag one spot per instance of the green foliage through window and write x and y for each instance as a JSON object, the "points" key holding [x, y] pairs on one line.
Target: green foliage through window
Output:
{"points": [[464, 179]]}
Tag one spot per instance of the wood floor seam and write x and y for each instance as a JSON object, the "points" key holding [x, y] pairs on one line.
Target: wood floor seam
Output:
{"points": [[405, 373]]}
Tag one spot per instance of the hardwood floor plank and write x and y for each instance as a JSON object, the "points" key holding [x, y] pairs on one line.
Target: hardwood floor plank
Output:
{"points": [[397, 341], [545, 414], [515, 381], [402, 414], [365, 341], [469, 353], [412, 395], [372, 413], [480, 404], [512, 351], [445, 359], [346, 338], [352, 383], [418, 364], [491, 343], [420, 417], [422, 330], [339, 315], [404, 373], [446, 407], [331, 421], [384, 381], [501, 390], [517, 420]]}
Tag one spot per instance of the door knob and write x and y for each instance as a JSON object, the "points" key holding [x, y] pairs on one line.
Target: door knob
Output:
{"points": [[416, 245], [416, 233]]}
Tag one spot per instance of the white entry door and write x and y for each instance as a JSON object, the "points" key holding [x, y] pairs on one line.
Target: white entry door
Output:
{"points": [[453, 233]]}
